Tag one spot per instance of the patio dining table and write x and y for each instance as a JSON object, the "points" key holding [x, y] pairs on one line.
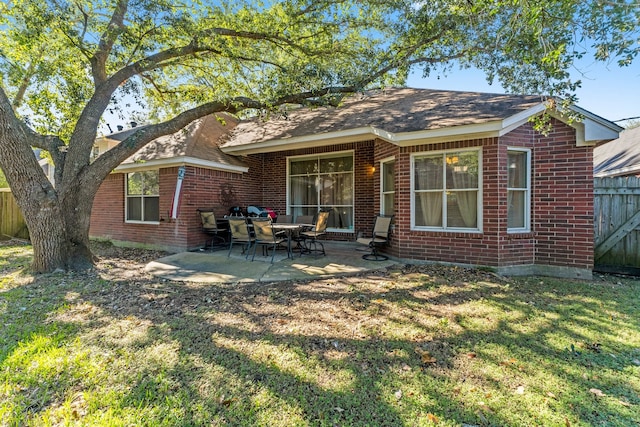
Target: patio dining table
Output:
{"points": [[289, 228]]}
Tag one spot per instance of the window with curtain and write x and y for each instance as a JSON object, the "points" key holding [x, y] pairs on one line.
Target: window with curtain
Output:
{"points": [[322, 182], [518, 190], [387, 187], [143, 197], [445, 190]]}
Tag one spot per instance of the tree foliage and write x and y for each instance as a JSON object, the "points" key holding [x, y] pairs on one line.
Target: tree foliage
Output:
{"points": [[63, 64]]}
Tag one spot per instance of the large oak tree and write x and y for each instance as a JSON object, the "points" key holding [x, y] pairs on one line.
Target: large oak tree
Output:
{"points": [[64, 63]]}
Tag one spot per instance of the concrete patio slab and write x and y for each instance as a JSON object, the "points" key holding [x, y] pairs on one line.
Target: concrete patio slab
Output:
{"points": [[217, 267]]}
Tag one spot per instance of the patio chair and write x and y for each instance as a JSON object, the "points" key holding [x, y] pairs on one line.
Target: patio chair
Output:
{"points": [[379, 238], [287, 219], [240, 234], [265, 236], [210, 227], [311, 237]]}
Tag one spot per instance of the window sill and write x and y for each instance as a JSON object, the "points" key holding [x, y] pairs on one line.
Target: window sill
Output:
{"points": [[143, 222], [520, 234]]}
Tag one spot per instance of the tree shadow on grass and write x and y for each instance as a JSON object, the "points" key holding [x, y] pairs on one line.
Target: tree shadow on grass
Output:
{"points": [[223, 327], [348, 351]]}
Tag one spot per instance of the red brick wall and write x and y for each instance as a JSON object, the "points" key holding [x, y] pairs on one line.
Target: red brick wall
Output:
{"points": [[562, 205], [107, 217], [563, 199], [465, 248], [201, 188], [516, 248], [275, 182]]}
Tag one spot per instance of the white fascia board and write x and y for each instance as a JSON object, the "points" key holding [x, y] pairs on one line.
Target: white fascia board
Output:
{"points": [[517, 120], [315, 140], [593, 129], [455, 133], [179, 161]]}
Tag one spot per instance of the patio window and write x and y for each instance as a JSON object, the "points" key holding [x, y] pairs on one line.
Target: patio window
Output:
{"points": [[518, 190], [143, 197], [445, 191], [322, 182], [387, 186]]}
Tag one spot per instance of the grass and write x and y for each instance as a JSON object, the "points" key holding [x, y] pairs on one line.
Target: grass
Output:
{"points": [[413, 346]]}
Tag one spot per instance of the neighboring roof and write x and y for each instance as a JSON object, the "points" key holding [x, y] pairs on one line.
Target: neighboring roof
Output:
{"points": [[618, 157], [403, 116], [196, 145]]}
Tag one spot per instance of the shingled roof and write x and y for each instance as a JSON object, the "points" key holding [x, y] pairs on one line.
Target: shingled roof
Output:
{"points": [[618, 157], [198, 143], [396, 110]]}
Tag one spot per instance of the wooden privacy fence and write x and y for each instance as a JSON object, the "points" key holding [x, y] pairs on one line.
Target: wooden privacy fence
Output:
{"points": [[617, 224], [11, 220]]}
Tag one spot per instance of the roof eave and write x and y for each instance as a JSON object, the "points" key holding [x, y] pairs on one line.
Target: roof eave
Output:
{"points": [[433, 136], [628, 170], [592, 130], [176, 162]]}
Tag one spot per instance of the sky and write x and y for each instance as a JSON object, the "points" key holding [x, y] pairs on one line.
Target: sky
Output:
{"points": [[609, 91]]}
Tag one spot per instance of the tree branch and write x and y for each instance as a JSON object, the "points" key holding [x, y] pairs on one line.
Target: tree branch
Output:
{"points": [[108, 38]]}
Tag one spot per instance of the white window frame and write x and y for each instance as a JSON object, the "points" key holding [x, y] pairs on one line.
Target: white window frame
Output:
{"points": [[324, 156], [384, 162], [527, 190], [479, 199], [126, 199]]}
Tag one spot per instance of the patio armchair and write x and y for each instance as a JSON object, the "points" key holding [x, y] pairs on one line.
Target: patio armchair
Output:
{"points": [[310, 237], [210, 227], [265, 236], [240, 234], [379, 238]]}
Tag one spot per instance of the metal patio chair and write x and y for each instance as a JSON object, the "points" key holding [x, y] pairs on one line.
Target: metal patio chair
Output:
{"points": [[265, 236], [240, 234], [379, 238], [311, 237], [210, 227]]}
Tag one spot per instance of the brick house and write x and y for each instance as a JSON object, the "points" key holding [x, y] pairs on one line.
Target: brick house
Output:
{"points": [[466, 176]]}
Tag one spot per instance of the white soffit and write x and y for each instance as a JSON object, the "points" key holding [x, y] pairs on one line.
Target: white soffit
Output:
{"points": [[176, 162], [592, 129]]}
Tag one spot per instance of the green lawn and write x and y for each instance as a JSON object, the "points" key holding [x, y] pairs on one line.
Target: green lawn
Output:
{"points": [[412, 346]]}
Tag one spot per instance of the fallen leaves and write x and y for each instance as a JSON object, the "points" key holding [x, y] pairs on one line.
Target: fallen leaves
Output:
{"points": [[434, 419], [425, 356], [508, 362]]}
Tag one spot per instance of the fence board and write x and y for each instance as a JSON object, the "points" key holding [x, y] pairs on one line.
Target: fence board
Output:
{"points": [[11, 220], [616, 223]]}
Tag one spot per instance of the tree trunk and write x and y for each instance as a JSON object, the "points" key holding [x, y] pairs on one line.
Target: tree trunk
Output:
{"points": [[58, 220], [59, 233], [48, 238]]}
